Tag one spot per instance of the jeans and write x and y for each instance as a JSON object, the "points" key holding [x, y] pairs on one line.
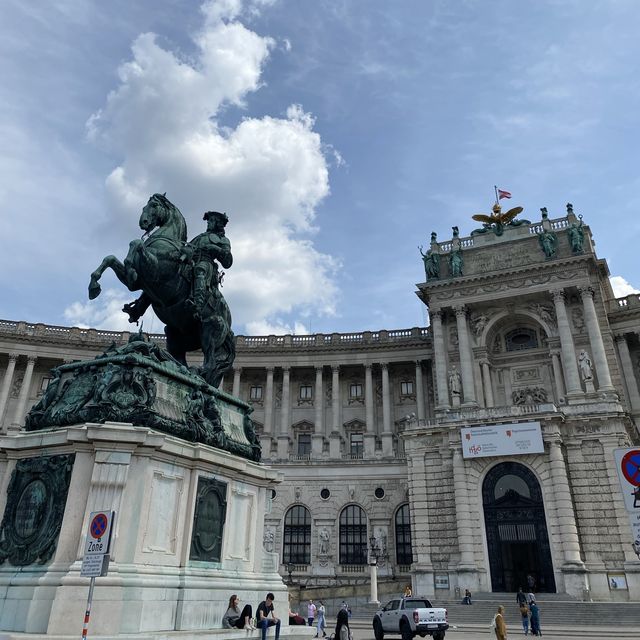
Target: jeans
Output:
{"points": [[525, 624], [265, 623]]}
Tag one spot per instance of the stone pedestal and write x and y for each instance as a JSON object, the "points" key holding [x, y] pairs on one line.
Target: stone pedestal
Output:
{"points": [[387, 445], [283, 447], [369, 445], [188, 532], [317, 446]]}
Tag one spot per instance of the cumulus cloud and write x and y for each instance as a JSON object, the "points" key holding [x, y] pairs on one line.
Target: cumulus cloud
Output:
{"points": [[621, 287], [268, 173]]}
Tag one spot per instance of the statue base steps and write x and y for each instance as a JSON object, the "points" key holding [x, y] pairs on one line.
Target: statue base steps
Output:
{"points": [[188, 533]]}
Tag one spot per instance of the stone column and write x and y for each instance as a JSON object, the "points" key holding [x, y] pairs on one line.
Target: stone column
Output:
{"points": [[440, 361], [508, 389], [387, 430], [595, 339], [557, 374], [627, 370], [18, 416], [6, 383], [486, 383], [317, 439], [569, 363], [564, 505], [463, 512], [468, 388], [370, 435], [283, 436], [335, 437], [237, 371], [265, 439], [420, 391]]}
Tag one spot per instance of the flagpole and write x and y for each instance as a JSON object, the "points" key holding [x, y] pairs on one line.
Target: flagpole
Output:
{"points": [[496, 190]]}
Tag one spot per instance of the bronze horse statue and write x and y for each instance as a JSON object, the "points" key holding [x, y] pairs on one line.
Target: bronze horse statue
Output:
{"points": [[164, 266]]}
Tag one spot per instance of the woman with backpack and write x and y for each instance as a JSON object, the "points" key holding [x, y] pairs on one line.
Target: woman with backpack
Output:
{"points": [[524, 612]]}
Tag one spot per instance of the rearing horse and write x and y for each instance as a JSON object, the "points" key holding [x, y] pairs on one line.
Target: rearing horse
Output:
{"points": [[157, 265]]}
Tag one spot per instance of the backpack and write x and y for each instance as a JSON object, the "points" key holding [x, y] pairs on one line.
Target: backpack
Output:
{"points": [[493, 624]]}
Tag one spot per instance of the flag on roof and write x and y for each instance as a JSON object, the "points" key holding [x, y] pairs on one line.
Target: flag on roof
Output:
{"points": [[503, 194]]}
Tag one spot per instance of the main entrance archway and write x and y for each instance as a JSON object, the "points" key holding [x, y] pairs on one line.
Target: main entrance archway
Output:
{"points": [[516, 529]]}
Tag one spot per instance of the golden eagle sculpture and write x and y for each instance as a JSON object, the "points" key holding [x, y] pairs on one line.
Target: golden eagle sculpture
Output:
{"points": [[497, 220]]}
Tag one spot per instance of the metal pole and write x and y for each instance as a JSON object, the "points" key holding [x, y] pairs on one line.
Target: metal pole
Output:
{"points": [[374, 583], [87, 613]]}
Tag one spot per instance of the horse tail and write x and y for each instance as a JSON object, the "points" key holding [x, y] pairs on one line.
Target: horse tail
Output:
{"points": [[225, 355]]}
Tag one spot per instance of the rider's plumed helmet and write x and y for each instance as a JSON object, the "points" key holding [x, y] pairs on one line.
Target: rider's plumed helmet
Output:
{"points": [[222, 217]]}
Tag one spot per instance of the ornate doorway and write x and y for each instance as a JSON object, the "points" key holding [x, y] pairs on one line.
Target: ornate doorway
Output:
{"points": [[517, 538]]}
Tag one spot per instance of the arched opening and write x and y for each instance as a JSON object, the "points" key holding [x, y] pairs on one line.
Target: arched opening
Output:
{"points": [[404, 552], [297, 536], [517, 537], [353, 535]]}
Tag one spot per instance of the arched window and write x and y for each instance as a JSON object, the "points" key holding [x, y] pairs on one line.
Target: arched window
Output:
{"points": [[404, 554], [297, 536], [353, 536], [520, 339]]}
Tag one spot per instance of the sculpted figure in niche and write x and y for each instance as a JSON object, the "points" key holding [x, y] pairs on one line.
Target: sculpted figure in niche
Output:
{"points": [[323, 549], [455, 381], [584, 364], [268, 540], [479, 323]]}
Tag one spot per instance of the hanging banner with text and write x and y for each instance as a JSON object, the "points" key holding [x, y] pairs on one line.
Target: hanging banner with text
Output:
{"points": [[502, 440]]}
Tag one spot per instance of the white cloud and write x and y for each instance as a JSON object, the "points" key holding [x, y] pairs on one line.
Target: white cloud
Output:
{"points": [[268, 173], [621, 287], [277, 328]]}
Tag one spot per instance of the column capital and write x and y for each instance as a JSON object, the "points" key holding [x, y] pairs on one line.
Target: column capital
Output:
{"points": [[270, 369], [368, 366], [13, 357], [418, 363], [335, 368], [620, 337], [31, 359], [461, 310], [436, 314], [285, 368], [384, 366], [319, 368], [586, 292], [237, 370], [484, 362], [558, 295]]}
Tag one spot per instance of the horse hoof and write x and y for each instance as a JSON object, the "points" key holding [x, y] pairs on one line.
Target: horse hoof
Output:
{"points": [[94, 290]]}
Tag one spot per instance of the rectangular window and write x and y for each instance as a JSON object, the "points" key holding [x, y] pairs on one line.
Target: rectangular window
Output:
{"points": [[355, 391], [357, 445], [306, 392], [304, 444], [255, 393], [406, 388]]}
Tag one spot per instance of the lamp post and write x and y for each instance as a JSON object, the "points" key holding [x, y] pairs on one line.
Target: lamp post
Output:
{"points": [[375, 552]]}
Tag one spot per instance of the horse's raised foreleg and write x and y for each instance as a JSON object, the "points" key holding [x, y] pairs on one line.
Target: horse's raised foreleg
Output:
{"points": [[117, 267]]}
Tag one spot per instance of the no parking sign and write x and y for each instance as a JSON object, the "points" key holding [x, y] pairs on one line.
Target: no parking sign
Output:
{"points": [[628, 466]]}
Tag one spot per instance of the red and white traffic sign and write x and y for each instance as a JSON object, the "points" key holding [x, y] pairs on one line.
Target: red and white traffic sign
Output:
{"points": [[99, 533]]}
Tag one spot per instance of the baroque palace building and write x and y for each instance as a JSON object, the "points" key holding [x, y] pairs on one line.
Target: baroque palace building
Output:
{"points": [[372, 431]]}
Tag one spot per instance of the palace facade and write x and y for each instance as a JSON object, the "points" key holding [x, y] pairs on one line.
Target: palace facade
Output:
{"points": [[369, 429]]}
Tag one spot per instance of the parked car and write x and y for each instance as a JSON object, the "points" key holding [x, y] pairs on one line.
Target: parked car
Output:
{"points": [[410, 617]]}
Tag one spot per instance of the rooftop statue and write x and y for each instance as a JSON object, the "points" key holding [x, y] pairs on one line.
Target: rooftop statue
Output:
{"points": [[180, 280], [496, 220]]}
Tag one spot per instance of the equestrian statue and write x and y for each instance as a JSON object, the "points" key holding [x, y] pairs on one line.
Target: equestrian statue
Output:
{"points": [[180, 280]]}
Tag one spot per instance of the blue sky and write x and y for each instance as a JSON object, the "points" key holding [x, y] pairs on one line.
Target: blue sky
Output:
{"points": [[336, 134]]}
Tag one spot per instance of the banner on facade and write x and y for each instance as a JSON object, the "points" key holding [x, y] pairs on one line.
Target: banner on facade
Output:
{"points": [[502, 440]]}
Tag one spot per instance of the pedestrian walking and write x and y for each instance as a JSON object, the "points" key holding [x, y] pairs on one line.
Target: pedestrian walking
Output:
{"points": [[535, 619], [524, 612], [321, 613], [311, 613], [498, 625]]}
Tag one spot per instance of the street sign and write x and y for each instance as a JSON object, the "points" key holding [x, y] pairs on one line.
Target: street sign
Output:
{"points": [[628, 467], [99, 533], [94, 566]]}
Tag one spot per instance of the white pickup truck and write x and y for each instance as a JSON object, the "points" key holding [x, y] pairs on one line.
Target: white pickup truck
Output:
{"points": [[410, 617]]}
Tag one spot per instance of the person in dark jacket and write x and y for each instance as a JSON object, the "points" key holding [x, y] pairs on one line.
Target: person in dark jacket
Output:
{"points": [[535, 619]]}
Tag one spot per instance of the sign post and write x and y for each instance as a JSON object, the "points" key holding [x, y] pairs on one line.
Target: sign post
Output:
{"points": [[95, 561]]}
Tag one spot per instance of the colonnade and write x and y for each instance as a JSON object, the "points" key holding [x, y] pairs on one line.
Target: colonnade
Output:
{"points": [[277, 425], [564, 361], [16, 420]]}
